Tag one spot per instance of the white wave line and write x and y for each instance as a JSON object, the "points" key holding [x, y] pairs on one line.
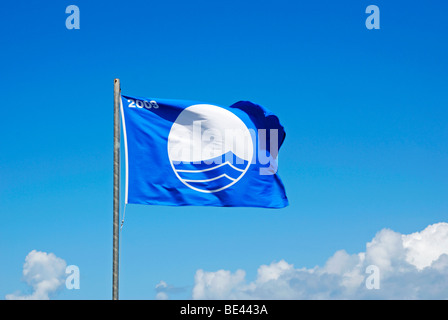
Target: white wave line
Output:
{"points": [[212, 179], [208, 169]]}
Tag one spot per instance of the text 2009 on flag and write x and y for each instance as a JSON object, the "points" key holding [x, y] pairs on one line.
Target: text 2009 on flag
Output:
{"points": [[193, 153]]}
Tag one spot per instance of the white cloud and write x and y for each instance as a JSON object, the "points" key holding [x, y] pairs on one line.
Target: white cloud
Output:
{"points": [[163, 290], [413, 266], [44, 272], [426, 246], [216, 285]]}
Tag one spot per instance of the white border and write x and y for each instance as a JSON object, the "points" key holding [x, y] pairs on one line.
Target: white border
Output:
{"points": [[125, 150]]}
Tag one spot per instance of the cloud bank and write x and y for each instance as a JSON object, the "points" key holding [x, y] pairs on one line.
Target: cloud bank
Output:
{"points": [[44, 273], [412, 266]]}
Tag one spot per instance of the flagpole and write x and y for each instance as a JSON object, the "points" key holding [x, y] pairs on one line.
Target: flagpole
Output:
{"points": [[116, 202]]}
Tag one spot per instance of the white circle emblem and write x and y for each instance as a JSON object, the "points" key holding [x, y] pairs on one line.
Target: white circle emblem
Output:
{"points": [[209, 147]]}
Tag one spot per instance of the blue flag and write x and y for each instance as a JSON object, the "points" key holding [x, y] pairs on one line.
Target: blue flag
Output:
{"points": [[192, 153]]}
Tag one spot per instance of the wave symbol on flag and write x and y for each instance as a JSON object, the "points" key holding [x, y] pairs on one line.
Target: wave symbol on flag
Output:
{"points": [[212, 174]]}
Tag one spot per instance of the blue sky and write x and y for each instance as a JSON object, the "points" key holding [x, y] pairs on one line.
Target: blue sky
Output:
{"points": [[364, 112]]}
